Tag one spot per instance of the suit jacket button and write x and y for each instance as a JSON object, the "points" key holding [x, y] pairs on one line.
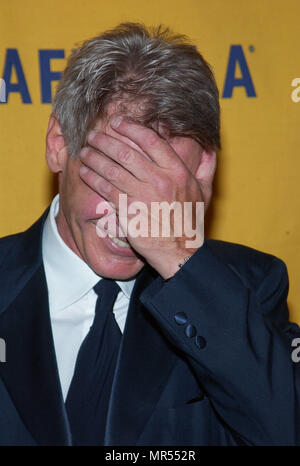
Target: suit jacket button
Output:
{"points": [[200, 342], [180, 318], [190, 331]]}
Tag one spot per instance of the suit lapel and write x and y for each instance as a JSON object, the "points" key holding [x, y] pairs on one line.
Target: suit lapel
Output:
{"points": [[145, 356], [30, 373]]}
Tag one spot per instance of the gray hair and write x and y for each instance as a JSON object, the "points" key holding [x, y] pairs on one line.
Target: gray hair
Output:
{"points": [[154, 69]]}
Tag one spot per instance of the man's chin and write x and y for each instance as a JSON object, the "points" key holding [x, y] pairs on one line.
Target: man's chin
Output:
{"points": [[111, 265], [119, 272]]}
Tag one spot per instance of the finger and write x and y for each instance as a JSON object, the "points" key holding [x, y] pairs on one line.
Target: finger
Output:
{"points": [[111, 171], [158, 149], [100, 185], [130, 159]]}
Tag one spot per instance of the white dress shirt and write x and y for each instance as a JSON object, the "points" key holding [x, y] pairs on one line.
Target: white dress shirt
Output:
{"points": [[72, 299]]}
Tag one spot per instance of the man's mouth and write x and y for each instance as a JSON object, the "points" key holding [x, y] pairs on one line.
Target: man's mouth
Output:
{"points": [[119, 242], [123, 243]]}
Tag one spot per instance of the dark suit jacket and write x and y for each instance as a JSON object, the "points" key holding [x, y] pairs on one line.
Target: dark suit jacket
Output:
{"points": [[205, 357]]}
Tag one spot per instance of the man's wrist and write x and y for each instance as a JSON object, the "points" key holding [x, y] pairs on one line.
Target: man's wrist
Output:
{"points": [[168, 266]]}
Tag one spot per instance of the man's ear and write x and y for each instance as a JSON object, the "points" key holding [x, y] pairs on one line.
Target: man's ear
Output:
{"points": [[205, 173], [56, 150]]}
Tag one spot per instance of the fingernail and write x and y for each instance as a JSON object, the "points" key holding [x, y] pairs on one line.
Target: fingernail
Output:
{"points": [[84, 152], [116, 121], [83, 170], [92, 135]]}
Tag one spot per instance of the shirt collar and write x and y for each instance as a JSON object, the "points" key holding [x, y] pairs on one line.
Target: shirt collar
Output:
{"points": [[69, 278]]}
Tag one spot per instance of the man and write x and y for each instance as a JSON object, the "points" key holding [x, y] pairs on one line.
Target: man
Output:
{"points": [[197, 347]]}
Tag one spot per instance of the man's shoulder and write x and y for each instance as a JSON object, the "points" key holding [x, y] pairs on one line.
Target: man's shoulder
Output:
{"points": [[9, 240], [24, 245], [250, 264], [239, 253], [8, 244]]}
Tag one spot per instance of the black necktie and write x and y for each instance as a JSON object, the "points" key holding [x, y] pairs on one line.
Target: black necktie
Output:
{"points": [[89, 392]]}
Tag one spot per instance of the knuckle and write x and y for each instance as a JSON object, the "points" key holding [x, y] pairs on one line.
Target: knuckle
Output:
{"points": [[111, 171], [103, 186], [164, 185], [151, 139], [89, 157], [125, 155], [96, 141], [182, 176]]}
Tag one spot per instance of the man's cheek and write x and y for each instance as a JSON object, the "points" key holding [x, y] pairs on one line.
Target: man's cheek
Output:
{"points": [[93, 205]]}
